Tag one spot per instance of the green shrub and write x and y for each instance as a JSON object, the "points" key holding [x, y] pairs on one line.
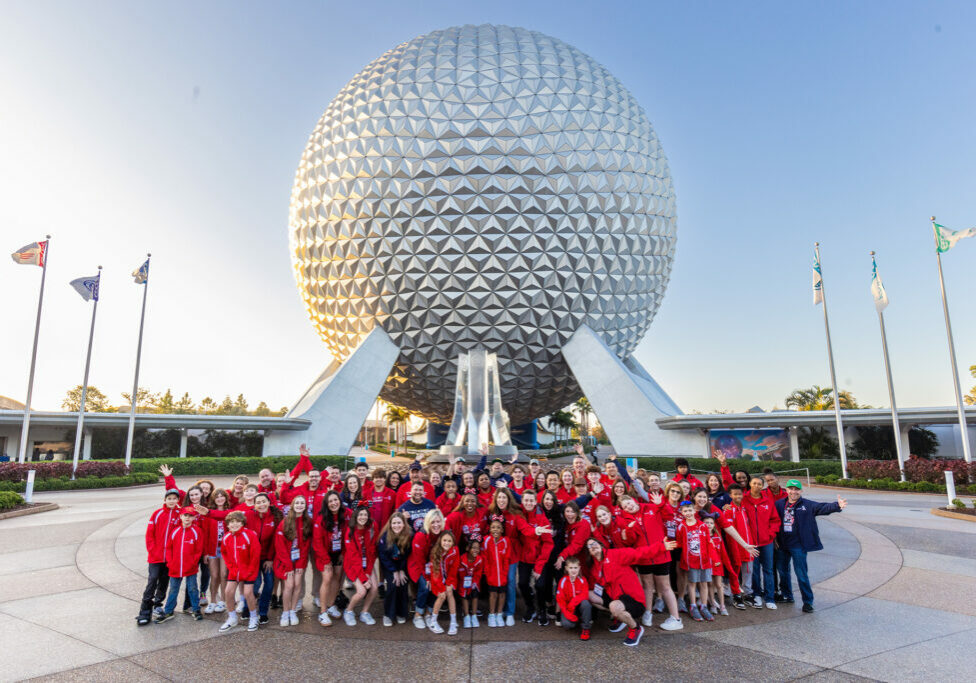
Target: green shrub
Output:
{"points": [[817, 467], [9, 500], [65, 484], [959, 504], [202, 466]]}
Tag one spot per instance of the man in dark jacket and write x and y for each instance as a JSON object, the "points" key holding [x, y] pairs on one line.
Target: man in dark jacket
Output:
{"points": [[797, 536]]}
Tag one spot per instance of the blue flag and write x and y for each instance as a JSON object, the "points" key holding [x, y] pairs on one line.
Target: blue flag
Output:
{"points": [[141, 274]]}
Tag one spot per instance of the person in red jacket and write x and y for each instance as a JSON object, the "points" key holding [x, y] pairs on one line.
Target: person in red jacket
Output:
{"points": [[696, 560], [764, 522], [684, 474], [615, 585], [572, 595], [520, 483], [241, 551], [418, 561], [358, 558], [213, 529], [721, 567], [533, 555], [576, 532], [292, 541], [467, 521], [566, 493], [415, 471], [734, 518], [444, 561], [380, 498], [449, 500], [470, 569], [328, 533], [184, 547], [161, 522], [498, 559]]}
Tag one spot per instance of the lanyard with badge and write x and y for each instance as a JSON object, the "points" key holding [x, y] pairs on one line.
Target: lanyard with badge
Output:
{"points": [[788, 518]]}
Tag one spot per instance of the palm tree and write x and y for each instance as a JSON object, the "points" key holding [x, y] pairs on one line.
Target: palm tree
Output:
{"points": [[564, 419], [584, 410], [397, 416], [819, 398]]}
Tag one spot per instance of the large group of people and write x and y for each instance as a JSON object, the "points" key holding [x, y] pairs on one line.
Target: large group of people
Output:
{"points": [[481, 542]]}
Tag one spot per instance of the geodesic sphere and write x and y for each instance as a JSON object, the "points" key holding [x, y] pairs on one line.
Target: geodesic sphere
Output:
{"points": [[482, 186]]}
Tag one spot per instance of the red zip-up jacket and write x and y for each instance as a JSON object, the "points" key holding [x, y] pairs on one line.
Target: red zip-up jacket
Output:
{"points": [[209, 526], [564, 495], [445, 572], [614, 535], [577, 534], [241, 553], [516, 528], [762, 517], [326, 541], [569, 594], [403, 493], [691, 479], [381, 503], [469, 574], [498, 558], [654, 533], [446, 505], [265, 528], [536, 549], [359, 553], [615, 572], [722, 565], [420, 554], [184, 547], [160, 523], [291, 555], [737, 518], [696, 550], [466, 528]]}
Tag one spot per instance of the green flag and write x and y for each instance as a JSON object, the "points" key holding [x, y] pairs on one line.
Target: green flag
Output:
{"points": [[946, 239]]}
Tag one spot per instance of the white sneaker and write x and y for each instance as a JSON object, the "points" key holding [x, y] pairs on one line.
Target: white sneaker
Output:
{"points": [[491, 620], [315, 601], [418, 621], [430, 620], [221, 606], [672, 624], [240, 605], [332, 611], [284, 619], [467, 621], [387, 621], [401, 620], [231, 622], [349, 618], [770, 605], [509, 620], [211, 608], [648, 618], [324, 619], [203, 601], [452, 629], [293, 618], [474, 621], [298, 605], [367, 618], [435, 627], [253, 623]]}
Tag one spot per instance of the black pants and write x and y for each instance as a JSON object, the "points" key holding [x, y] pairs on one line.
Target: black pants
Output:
{"points": [[531, 595], [204, 585], [544, 586], [155, 593], [395, 599]]}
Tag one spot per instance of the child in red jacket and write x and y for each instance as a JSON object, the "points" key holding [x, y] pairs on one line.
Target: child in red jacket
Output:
{"points": [[721, 567], [571, 596], [161, 522], [183, 549], [241, 551], [292, 541], [444, 561], [498, 558], [358, 559], [469, 578], [696, 559]]}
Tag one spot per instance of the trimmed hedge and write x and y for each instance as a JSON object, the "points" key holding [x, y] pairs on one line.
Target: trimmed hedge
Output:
{"points": [[885, 484], [9, 500], [817, 467], [14, 471], [278, 463], [65, 484], [917, 470]]}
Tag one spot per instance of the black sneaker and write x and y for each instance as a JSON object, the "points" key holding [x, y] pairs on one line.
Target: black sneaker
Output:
{"points": [[528, 617], [788, 601], [738, 602], [142, 621], [543, 619], [808, 608], [634, 636], [197, 616], [617, 626], [778, 597], [263, 619], [275, 602], [164, 617]]}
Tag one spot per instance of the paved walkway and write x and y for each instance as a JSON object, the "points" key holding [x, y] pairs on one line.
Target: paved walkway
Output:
{"points": [[894, 590]]}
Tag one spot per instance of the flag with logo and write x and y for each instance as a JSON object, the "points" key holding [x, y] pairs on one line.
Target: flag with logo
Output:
{"points": [[945, 239], [817, 281], [877, 288], [87, 287], [141, 274], [31, 255]]}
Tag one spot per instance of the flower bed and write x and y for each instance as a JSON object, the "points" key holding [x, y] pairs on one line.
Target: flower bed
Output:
{"points": [[14, 471], [932, 471], [67, 484]]}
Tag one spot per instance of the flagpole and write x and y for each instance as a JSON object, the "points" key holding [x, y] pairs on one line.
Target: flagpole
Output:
{"points": [[84, 387], [135, 382], [891, 395], [963, 429], [25, 427], [833, 376]]}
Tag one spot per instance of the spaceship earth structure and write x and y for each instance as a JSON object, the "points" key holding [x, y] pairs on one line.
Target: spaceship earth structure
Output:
{"points": [[482, 186]]}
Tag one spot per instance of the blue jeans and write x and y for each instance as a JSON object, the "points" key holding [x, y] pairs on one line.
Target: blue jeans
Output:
{"points": [[265, 584], [423, 592], [510, 590], [174, 593], [762, 576], [799, 558]]}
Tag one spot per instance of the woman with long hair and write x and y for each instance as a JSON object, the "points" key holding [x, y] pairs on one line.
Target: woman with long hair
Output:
{"points": [[292, 541], [328, 533], [393, 549], [359, 556]]}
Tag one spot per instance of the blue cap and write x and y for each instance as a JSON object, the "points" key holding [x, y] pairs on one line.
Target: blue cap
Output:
{"points": [[684, 502]]}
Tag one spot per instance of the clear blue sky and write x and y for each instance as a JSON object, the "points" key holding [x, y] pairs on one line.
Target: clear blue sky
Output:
{"points": [[176, 128]]}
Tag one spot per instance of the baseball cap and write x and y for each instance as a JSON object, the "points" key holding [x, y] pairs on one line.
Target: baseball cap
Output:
{"points": [[188, 511], [684, 502], [460, 458], [794, 484], [533, 461], [171, 492], [416, 466], [497, 460]]}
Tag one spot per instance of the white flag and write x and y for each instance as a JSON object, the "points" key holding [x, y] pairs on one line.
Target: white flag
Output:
{"points": [[817, 281], [877, 288], [945, 239], [87, 287], [31, 255]]}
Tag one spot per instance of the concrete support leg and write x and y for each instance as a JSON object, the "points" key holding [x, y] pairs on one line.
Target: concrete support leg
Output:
{"points": [[903, 436], [794, 444], [183, 438], [86, 448]]}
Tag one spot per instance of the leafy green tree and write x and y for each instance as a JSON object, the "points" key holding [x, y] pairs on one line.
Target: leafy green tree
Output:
{"points": [[95, 400], [226, 407], [145, 400], [584, 410], [262, 409], [281, 412], [208, 406], [185, 405], [398, 418], [816, 444], [240, 405], [970, 398], [165, 405], [819, 398], [878, 442]]}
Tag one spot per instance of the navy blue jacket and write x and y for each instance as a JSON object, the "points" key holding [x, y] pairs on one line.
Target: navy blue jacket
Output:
{"points": [[804, 522], [391, 557]]}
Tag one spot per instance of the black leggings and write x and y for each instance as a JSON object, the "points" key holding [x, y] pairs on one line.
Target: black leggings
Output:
{"points": [[531, 596]]}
